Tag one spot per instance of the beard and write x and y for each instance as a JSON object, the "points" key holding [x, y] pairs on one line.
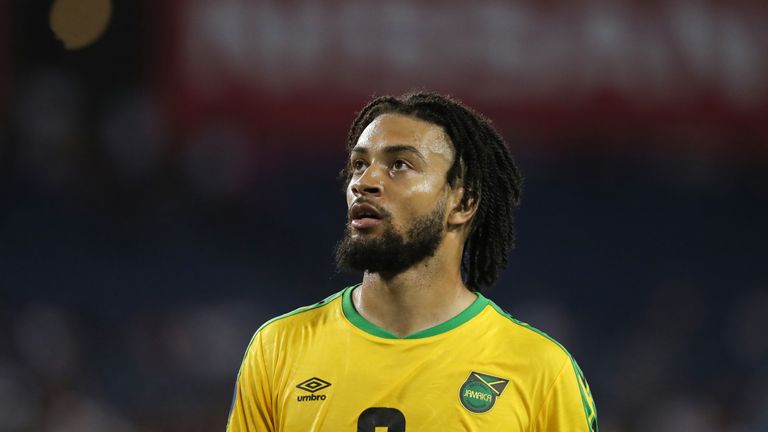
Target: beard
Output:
{"points": [[392, 253]]}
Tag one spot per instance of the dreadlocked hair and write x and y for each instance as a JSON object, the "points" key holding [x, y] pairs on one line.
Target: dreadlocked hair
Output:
{"points": [[483, 165]]}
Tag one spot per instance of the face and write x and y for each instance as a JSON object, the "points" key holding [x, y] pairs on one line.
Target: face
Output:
{"points": [[397, 195]]}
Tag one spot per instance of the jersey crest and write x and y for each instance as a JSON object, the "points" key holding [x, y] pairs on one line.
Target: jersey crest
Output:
{"points": [[479, 392]]}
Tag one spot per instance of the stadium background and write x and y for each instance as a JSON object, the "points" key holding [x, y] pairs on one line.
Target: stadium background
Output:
{"points": [[171, 184]]}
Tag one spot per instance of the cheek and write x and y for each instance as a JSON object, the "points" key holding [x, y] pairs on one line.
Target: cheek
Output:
{"points": [[416, 205], [422, 196], [426, 186]]}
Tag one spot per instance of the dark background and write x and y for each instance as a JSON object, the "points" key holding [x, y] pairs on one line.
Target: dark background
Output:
{"points": [[172, 185]]}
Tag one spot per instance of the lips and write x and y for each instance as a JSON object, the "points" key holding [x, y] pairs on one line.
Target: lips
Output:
{"points": [[364, 210], [364, 215]]}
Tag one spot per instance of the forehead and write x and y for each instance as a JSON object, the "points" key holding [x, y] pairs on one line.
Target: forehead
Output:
{"points": [[398, 129]]}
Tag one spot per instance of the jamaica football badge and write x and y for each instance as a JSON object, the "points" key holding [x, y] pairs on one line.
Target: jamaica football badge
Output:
{"points": [[479, 392]]}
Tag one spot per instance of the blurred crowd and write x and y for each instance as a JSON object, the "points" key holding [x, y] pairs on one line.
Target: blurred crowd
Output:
{"points": [[137, 260], [126, 300]]}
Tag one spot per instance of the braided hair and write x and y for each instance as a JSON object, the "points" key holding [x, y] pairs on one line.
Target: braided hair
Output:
{"points": [[484, 166]]}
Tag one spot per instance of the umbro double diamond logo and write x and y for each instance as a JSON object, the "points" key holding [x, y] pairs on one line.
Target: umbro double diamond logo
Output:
{"points": [[312, 385]]}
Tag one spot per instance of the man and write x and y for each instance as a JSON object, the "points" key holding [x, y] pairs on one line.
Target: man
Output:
{"points": [[431, 188]]}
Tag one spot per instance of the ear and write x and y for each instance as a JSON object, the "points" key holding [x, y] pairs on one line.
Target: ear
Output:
{"points": [[461, 211]]}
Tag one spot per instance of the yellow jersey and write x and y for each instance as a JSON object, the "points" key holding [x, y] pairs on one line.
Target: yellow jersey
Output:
{"points": [[326, 368]]}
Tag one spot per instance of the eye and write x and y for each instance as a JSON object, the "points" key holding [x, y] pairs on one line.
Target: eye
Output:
{"points": [[358, 165], [400, 165]]}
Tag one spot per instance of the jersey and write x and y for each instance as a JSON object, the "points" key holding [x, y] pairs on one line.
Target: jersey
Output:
{"points": [[326, 368]]}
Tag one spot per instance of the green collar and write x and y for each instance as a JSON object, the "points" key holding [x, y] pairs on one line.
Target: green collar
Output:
{"points": [[358, 321]]}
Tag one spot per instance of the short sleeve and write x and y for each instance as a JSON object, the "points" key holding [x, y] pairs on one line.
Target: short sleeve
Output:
{"points": [[568, 406], [252, 409]]}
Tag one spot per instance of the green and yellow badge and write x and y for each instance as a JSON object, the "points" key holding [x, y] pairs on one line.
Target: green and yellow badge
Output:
{"points": [[479, 392]]}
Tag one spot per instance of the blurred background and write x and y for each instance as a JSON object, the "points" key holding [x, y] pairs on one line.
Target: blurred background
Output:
{"points": [[168, 183]]}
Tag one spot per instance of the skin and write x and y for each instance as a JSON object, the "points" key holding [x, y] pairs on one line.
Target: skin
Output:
{"points": [[409, 184]]}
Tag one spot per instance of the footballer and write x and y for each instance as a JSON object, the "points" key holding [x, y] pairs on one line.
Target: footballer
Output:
{"points": [[431, 188]]}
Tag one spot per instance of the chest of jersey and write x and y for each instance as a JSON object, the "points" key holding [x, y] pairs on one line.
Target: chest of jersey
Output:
{"points": [[342, 380]]}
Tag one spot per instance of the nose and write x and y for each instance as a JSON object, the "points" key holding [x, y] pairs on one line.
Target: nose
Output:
{"points": [[367, 183]]}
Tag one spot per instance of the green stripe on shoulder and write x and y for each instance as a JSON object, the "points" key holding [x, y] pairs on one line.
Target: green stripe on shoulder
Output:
{"points": [[321, 303], [590, 411], [528, 326]]}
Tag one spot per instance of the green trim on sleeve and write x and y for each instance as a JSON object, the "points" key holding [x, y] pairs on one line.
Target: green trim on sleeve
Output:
{"points": [[363, 324], [590, 410]]}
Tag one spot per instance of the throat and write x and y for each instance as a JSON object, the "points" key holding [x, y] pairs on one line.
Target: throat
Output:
{"points": [[405, 310]]}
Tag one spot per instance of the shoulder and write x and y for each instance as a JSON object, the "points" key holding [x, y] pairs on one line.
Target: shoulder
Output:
{"points": [[300, 317], [521, 337], [287, 330], [540, 358], [567, 402]]}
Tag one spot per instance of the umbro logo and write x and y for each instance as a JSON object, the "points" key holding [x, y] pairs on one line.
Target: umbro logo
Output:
{"points": [[312, 385]]}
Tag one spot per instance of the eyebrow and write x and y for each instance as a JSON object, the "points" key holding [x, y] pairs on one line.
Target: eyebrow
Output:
{"points": [[399, 148]]}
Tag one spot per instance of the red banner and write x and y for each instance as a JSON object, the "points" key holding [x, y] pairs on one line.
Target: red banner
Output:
{"points": [[546, 72]]}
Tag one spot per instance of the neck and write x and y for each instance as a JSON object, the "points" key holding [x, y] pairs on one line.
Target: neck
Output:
{"points": [[419, 298]]}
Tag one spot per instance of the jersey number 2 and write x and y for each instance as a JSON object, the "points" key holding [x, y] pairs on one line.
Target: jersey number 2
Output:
{"points": [[390, 418]]}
